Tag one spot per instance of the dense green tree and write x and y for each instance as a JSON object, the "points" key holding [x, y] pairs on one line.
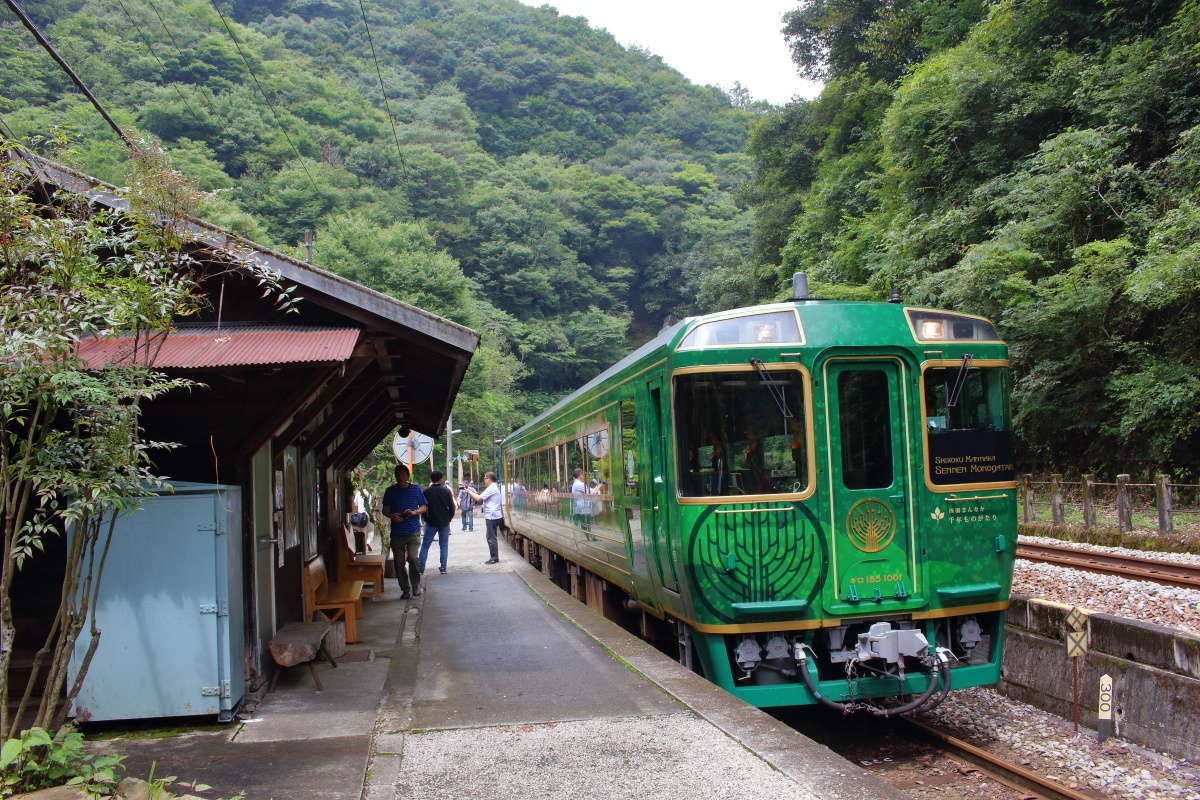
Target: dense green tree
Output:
{"points": [[1031, 161]]}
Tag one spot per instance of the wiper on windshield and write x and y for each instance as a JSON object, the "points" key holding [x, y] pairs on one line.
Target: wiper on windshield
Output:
{"points": [[777, 394], [960, 382]]}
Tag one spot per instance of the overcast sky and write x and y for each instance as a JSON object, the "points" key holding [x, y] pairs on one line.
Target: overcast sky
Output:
{"points": [[710, 41]]}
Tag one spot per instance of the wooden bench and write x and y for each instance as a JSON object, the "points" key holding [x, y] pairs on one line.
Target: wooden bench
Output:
{"points": [[332, 601], [367, 567], [300, 643]]}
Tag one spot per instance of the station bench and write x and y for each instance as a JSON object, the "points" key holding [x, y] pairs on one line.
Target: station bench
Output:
{"points": [[300, 643], [332, 601], [367, 567]]}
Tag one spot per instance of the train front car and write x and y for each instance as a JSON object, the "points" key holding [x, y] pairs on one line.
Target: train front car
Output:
{"points": [[845, 510]]}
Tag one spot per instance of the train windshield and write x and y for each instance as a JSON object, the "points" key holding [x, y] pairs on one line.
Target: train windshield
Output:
{"points": [[966, 422], [741, 433]]}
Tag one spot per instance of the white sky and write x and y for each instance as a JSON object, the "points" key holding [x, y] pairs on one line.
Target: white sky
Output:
{"points": [[710, 41]]}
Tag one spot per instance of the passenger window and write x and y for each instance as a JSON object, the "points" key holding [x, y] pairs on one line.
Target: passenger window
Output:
{"points": [[865, 425], [629, 447]]}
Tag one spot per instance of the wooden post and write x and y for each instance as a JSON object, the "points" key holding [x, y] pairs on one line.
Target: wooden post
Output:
{"points": [[1124, 504], [1056, 500], [1166, 515], [1026, 499], [593, 589], [576, 582], [1089, 501]]}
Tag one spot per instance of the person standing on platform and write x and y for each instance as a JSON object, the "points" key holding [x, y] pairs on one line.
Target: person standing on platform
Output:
{"points": [[437, 519], [467, 504], [492, 513], [403, 504]]}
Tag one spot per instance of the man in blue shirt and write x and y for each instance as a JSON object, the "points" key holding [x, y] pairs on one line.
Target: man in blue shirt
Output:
{"points": [[403, 504]]}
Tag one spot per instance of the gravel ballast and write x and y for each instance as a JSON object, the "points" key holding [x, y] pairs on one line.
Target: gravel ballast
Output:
{"points": [[1170, 606], [1048, 745]]}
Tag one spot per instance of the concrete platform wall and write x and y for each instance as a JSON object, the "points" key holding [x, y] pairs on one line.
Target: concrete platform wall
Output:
{"points": [[1155, 672]]}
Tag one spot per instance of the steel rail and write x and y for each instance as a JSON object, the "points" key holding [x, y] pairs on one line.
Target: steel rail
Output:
{"points": [[1006, 771], [1146, 569]]}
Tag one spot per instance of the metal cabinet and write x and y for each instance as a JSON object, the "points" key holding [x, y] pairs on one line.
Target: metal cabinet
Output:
{"points": [[170, 611]]}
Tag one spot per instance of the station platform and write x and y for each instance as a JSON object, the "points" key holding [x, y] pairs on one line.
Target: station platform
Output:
{"points": [[496, 683], [504, 686]]}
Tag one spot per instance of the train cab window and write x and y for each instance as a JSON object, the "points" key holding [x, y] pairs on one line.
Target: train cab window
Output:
{"points": [[966, 425], [865, 428], [741, 433]]}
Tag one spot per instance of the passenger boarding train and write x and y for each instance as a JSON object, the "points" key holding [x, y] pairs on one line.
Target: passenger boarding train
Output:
{"points": [[818, 496]]}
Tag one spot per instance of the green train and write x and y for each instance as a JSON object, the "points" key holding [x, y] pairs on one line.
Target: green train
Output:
{"points": [[816, 496]]}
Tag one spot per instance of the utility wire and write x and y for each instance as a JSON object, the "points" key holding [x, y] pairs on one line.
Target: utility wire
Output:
{"points": [[146, 41], [178, 47], [265, 97], [79, 84], [382, 91]]}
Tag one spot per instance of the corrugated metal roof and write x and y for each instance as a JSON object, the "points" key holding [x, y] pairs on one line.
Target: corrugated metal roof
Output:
{"points": [[207, 346]]}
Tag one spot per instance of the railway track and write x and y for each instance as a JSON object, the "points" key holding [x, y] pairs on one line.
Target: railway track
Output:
{"points": [[925, 762], [1146, 569], [1006, 772]]}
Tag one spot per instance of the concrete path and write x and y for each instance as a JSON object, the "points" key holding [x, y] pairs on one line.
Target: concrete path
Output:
{"points": [[495, 683], [494, 692]]}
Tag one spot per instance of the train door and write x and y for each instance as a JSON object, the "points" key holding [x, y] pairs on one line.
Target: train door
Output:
{"points": [[655, 498], [868, 500]]}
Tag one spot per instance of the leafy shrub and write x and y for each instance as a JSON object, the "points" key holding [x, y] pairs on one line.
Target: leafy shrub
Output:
{"points": [[36, 760]]}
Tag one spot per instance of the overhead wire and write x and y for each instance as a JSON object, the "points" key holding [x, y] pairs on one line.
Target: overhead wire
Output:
{"points": [[265, 96], [175, 43], [58, 59], [382, 91], [149, 47]]}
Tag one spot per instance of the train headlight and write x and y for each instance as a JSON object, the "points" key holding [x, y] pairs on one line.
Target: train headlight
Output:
{"points": [[933, 329]]}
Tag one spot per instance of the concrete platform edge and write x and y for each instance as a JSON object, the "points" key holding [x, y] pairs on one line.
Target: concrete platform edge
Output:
{"points": [[811, 765], [394, 717]]}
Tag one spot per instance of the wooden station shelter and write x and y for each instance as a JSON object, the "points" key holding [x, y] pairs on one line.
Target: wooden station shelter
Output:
{"points": [[290, 402]]}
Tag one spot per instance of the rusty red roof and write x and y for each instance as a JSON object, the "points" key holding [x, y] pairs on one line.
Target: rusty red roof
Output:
{"points": [[205, 346]]}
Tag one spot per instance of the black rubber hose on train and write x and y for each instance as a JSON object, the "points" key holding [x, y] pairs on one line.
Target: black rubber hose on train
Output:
{"points": [[941, 678]]}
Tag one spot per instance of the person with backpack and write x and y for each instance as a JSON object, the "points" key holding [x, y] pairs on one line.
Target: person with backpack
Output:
{"points": [[438, 514]]}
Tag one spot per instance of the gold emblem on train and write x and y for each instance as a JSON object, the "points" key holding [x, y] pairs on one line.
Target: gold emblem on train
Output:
{"points": [[870, 525]]}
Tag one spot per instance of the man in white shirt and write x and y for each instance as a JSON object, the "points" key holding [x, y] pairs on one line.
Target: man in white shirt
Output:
{"points": [[492, 513], [581, 504]]}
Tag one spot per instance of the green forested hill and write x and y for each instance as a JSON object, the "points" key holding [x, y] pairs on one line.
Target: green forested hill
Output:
{"points": [[1032, 160], [541, 182], [1036, 161]]}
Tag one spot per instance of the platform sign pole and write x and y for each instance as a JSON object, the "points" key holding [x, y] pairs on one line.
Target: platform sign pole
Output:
{"points": [[1076, 641], [1104, 728]]}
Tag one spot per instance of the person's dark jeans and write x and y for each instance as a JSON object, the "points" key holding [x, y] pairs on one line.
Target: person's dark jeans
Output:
{"points": [[492, 526], [468, 519], [442, 532], [406, 549]]}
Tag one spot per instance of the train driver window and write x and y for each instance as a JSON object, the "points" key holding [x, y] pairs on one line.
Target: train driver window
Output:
{"points": [[741, 433], [966, 425]]}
